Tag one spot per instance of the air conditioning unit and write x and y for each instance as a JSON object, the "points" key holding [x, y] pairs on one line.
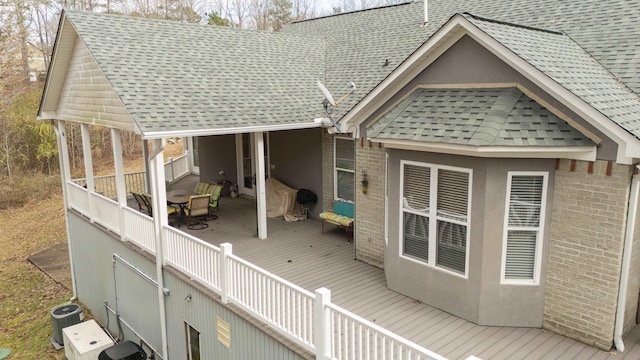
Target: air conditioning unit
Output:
{"points": [[63, 316], [85, 341]]}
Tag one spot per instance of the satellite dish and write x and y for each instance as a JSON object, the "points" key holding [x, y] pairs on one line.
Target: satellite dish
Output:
{"points": [[327, 94]]}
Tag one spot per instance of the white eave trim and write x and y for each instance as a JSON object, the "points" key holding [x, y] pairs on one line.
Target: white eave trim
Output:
{"points": [[231, 130], [585, 153], [449, 34]]}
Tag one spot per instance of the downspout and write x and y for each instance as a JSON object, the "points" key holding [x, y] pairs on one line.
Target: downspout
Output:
{"points": [[626, 260], [156, 167]]}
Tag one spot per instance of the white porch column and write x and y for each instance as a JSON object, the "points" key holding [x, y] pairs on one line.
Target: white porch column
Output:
{"points": [[261, 197], [145, 156], [159, 206], [88, 166], [121, 187], [65, 175]]}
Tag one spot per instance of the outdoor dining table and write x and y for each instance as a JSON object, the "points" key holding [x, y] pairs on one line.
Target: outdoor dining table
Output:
{"points": [[181, 199]]}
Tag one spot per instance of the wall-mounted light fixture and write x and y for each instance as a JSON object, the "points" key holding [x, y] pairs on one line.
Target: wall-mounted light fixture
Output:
{"points": [[364, 181]]}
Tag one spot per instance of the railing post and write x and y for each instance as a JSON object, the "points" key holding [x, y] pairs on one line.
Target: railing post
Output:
{"points": [[225, 271], [173, 172], [322, 324]]}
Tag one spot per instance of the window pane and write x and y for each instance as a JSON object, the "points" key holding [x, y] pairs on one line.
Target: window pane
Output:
{"points": [[416, 236], [345, 185], [452, 246], [521, 250], [345, 154], [525, 200], [416, 184], [453, 194]]}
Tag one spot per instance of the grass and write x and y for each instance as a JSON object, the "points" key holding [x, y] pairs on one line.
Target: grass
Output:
{"points": [[28, 295], [31, 220]]}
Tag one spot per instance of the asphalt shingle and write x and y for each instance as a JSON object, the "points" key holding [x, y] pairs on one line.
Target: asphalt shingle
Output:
{"points": [[477, 117], [173, 76]]}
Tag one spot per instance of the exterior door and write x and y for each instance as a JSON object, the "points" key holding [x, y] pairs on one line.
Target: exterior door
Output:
{"points": [[247, 163], [194, 160]]}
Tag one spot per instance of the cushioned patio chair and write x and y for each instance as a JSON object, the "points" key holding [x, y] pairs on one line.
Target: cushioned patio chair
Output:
{"points": [[197, 211], [201, 188], [214, 201]]}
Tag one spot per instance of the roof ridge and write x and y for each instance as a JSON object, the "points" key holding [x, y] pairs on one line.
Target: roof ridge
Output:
{"points": [[352, 12], [496, 116], [500, 22]]}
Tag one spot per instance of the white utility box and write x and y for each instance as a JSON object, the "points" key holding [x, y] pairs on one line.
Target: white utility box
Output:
{"points": [[85, 341]]}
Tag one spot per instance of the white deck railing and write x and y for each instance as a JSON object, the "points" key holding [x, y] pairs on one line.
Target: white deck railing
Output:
{"points": [[357, 338], [174, 169], [194, 257], [285, 306], [308, 319]]}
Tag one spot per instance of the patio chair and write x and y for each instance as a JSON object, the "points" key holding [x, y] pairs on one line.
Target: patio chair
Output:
{"points": [[201, 188], [197, 210], [143, 203], [214, 201]]}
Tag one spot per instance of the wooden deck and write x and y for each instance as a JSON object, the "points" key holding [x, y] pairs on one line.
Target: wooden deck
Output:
{"points": [[299, 253]]}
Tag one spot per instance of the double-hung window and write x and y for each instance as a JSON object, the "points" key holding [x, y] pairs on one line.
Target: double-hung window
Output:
{"points": [[436, 202], [524, 220], [344, 168]]}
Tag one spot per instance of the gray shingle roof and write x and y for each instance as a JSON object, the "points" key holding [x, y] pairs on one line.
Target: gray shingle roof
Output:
{"points": [[174, 76], [478, 117], [358, 43], [563, 60]]}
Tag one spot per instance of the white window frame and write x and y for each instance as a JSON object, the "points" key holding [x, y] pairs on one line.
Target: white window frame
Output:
{"points": [[188, 328], [540, 230], [431, 213], [336, 169]]}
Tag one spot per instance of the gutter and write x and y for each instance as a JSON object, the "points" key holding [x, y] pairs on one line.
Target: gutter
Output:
{"points": [[626, 260]]}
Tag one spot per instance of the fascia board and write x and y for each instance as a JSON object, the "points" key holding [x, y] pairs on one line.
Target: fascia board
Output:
{"points": [[53, 66], [426, 54], [150, 135], [586, 153]]}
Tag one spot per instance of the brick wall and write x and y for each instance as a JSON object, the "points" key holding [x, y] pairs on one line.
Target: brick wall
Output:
{"points": [[585, 251], [370, 206], [327, 171]]}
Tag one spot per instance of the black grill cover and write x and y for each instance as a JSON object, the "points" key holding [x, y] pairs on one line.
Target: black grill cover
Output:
{"points": [[305, 196], [124, 351]]}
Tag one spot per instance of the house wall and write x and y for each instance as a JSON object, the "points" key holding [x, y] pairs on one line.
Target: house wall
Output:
{"points": [[85, 82], [217, 153], [467, 63], [327, 171], [296, 157], [369, 237], [137, 302], [585, 251], [480, 298]]}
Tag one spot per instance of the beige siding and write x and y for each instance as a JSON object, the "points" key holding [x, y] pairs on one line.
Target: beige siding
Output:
{"points": [[87, 95], [370, 222], [585, 252]]}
